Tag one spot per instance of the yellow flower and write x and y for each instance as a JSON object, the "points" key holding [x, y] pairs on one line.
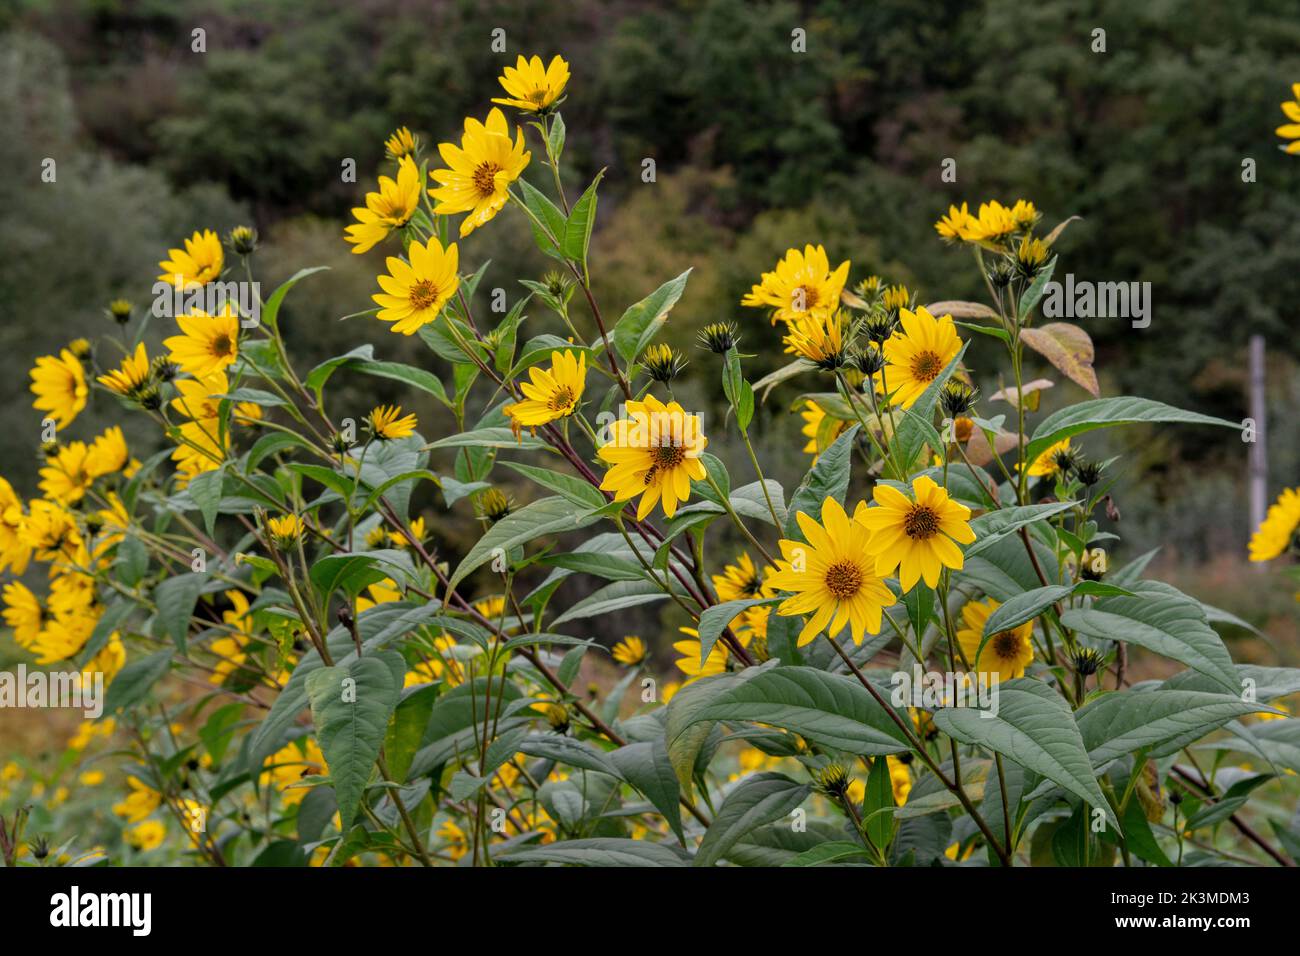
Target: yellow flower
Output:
{"points": [[402, 143], [15, 549], [1275, 532], [207, 343], [481, 171], [1024, 214], [531, 86], [692, 662], [629, 651], [818, 338], [553, 393], [139, 803], [388, 423], [801, 283], [110, 660], [59, 384], [1291, 130], [900, 779], [1006, 654], [814, 416], [457, 843], [23, 613], [833, 576], [387, 210], [285, 529], [995, 221], [66, 478], [381, 592], [916, 353], [916, 534], [415, 291], [51, 531], [288, 765], [197, 264], [655, 453], [957, 225], [416, 527], [108, 453], [131, 376], [741, 581], [147, 835], [1046, 463], [91, 778]]}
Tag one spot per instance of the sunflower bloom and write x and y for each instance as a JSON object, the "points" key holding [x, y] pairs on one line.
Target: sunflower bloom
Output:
{"points": [[388, 423], [553, 393], [833, 578], [693, 664], [654, 453], [285, 529], [532, 86], [480, 171], [401, 144], [59, 384], [629, 652], [916, 353], [66, 478], [1048, 462], [1273, 537], [959, 225], [415, 291], [818, 338], [387, 210], [802, 282], [207, 343], [744, 581], [1006, 654], [129, 378], [197, 264], [15, 549], [917, 535]]}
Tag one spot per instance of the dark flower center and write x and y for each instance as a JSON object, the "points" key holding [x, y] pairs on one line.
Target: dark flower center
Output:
{"points": [[485, 178], [222, 345], [844, 579], [1005, 644], [667, 456], [423, 294], [926, 365], [921, 522]]}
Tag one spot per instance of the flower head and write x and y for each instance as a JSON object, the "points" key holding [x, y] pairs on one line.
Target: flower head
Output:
{"points": [[919, 534], [130, 378], [401, 144], [820, 429], [532, 86], [480, 171], [834, 578], [415, 291], [819, 338], [285, 529], [1006, 653], [655, 453], [958, 225], [661, 363], [630, 651], [387, 210], [916, 353], [59, 384], [553, 393], [1275, 533], [802, 282], [1050, 460], [197, 264], [207, 343], [1291, 130], [388, 423]]}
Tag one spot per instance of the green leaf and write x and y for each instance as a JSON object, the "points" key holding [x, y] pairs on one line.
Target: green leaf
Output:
{"points": [[645, 765], [135, 680], [487, 438], [205, 491], [271, 310], [550, 216], [1107, 412], [715, 619], [406, 731], [615, 597], [992, 527], [828, 478], [1035, 291], [568, 750], [831, 709], [878, 817], [174, 598], [757, 800], [1025, 607], [598, 851], [577, 231], [637, 326], [350, 706], [546, 516], [1033, 726], [829, 853], [1164, 620], [556, 139], [576, 490], [1119, 723], [132, 561], [350, 573]]}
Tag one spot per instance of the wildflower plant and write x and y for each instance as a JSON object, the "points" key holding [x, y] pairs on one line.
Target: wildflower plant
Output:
{"points": [[301, 669]]}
